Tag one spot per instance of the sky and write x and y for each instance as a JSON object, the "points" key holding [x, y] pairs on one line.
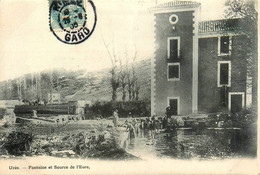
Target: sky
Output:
{"points": [[28, 45]]}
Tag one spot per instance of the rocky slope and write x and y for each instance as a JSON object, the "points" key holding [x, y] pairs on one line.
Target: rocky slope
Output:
{"points": [[75, 85]]}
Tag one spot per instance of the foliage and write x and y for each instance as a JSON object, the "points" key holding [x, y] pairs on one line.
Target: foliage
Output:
{"points": [[36, 86], [18, 143], [75, 85], [105, 109], [2, 113], [98, 147], [240, 8], [246, 9], [244, 119]]}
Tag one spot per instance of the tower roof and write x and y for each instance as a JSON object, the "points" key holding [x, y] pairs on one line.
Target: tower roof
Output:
{"points": [[175, 5], [178, 3]]}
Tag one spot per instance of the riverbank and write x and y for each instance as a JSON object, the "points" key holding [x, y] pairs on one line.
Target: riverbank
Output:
{"points": [[98, 139], [92, 139]]}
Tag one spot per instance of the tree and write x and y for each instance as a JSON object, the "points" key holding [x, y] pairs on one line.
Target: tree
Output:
{"points": [[19, 88], [241, 8], [246, 9], [131, 78], [46, 85], [129, 84], [115, 81], [122, 77], [137, 89]]}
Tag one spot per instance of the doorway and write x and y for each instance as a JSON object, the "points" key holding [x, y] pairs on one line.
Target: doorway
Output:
{"points": [[174, 105], [236, 101]]}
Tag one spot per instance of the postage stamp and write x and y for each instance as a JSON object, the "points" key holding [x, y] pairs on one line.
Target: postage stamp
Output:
{"points": [[72, 21]]}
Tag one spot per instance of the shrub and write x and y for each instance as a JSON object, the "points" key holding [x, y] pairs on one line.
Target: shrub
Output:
{"points": [[105, 109], [18, 143], [101, 148], [2, 113], [244, 118]]}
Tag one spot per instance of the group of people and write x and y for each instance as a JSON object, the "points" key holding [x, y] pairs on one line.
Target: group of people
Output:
{"points": [[154, 123], [133, 125], [132, 128]]}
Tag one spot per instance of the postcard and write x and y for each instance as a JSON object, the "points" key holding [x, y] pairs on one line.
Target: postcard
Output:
{"points": [[129, 87]]}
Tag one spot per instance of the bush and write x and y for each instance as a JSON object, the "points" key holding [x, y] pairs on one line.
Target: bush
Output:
{"points": [[244, 118], [18, 143], [105, 109], [2, 113], [101, 148]]}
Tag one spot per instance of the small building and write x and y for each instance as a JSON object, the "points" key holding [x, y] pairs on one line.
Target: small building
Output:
{"points": [[54, 98], [9, 103], [78, 107], [196, 67], [7, 111]]}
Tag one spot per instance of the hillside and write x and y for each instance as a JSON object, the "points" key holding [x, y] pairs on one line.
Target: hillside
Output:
{"points": [[74, 85]]}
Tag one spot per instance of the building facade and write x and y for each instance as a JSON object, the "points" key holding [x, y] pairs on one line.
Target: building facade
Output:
{"points": [[197, 66]]}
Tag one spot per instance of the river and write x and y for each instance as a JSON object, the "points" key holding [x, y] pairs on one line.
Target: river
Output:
{"points": [[195, 144]]}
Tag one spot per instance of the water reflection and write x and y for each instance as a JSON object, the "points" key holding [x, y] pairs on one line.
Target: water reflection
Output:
{"points": [[188, 143]]}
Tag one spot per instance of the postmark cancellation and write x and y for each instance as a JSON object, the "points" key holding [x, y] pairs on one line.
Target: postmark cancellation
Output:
{"points": [[72, 21]]}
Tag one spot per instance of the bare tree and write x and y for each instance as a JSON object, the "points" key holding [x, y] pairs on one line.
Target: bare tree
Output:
{"points": [[136, 90], [19, 88], [123, 77], [38, 86], [131, 79], [129, 85], [115, 81]]}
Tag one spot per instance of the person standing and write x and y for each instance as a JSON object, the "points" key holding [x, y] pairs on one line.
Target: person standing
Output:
{"points": [[131, 129], [152, 127], [168, 112], [115, 118], [164, 122], [34, 113]]}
